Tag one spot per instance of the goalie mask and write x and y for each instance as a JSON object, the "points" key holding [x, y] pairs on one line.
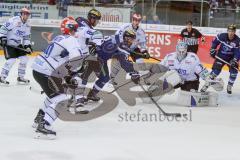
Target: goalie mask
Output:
{"points": [[181, 50], [128, 37]]}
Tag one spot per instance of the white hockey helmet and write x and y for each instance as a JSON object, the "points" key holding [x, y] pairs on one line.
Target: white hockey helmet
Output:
{"points": [[181, 50]]}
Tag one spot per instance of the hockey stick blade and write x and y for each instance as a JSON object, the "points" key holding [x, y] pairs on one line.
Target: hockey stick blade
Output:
{"points": [[157, 105]]}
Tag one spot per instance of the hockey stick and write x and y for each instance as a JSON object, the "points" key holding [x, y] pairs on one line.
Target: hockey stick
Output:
{"points": [[21, 49], [155, 59], [226, 62], [157, 105], [119, 86], [115, 89]]}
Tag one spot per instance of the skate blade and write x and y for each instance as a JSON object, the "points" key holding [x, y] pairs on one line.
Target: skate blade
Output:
{"points": [[5, 84], [23, 83], [44, 136]]}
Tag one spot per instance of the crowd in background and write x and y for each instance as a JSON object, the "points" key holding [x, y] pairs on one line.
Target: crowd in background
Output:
{"points": [[216, 6]]}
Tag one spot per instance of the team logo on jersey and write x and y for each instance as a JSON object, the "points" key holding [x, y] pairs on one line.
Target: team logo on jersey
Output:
{"points": [[193, 34], [7, 24], [185, 33]]}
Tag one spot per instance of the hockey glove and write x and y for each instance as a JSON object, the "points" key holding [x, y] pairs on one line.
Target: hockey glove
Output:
{"points": [[3, 41], [71, 82], [135, 77], [28, 48], [213, 52], [234, 63], [92, 48], [146, 55], [20, 46]]}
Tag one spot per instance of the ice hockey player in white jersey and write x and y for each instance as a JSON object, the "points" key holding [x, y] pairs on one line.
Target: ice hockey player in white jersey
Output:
{"points": [[63, 51], [139, 45], [15, 40]]}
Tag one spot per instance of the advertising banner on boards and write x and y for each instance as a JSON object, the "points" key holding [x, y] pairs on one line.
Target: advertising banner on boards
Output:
{"points": [[37, 10], [108, 14]]}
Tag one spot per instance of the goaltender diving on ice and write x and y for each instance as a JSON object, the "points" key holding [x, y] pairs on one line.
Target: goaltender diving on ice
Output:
{"points": [[185, 67]]}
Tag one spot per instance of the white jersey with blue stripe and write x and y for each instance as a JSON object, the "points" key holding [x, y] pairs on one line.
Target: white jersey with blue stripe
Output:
{"points": [[62, 50], [16, 31]]}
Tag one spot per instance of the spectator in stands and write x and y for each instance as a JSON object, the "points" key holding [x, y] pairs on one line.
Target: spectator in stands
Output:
{"points": [[213, 4], [233, 4], [62, 6], [51, 2], [155, 20], [144, 19], [129, 2]]}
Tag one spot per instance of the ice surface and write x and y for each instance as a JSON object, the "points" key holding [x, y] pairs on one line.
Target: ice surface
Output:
{"points": [[213, 133]]}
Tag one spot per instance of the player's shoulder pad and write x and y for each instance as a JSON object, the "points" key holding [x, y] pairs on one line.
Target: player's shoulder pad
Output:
{"points": [[82, 22], [222, 36], [59, 38], [125, 26], [13, 20], [192, 56], [171, 54]]}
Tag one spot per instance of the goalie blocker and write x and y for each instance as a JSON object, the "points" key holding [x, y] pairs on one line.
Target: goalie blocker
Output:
{"points": [[167, 83]]}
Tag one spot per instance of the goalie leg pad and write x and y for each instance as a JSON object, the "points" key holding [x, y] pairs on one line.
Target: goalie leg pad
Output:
{"points": [[197, 99], [172, 77]]}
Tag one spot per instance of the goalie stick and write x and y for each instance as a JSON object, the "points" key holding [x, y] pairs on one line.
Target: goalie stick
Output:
{"points": [[157, 105]]}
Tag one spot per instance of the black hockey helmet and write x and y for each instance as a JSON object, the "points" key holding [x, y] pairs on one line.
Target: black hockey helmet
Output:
{"points": [[128, 37], [95, 14], [129, 34], [232, 27]]}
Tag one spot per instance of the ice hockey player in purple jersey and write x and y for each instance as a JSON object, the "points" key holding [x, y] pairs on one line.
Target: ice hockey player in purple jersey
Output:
{"points": [[228, 51]]}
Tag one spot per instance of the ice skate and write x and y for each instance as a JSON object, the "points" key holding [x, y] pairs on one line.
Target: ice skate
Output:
{"points": [[38, 118], [3, 81], [92, 95], [22, 80], [42, 131], [229, 89]]}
